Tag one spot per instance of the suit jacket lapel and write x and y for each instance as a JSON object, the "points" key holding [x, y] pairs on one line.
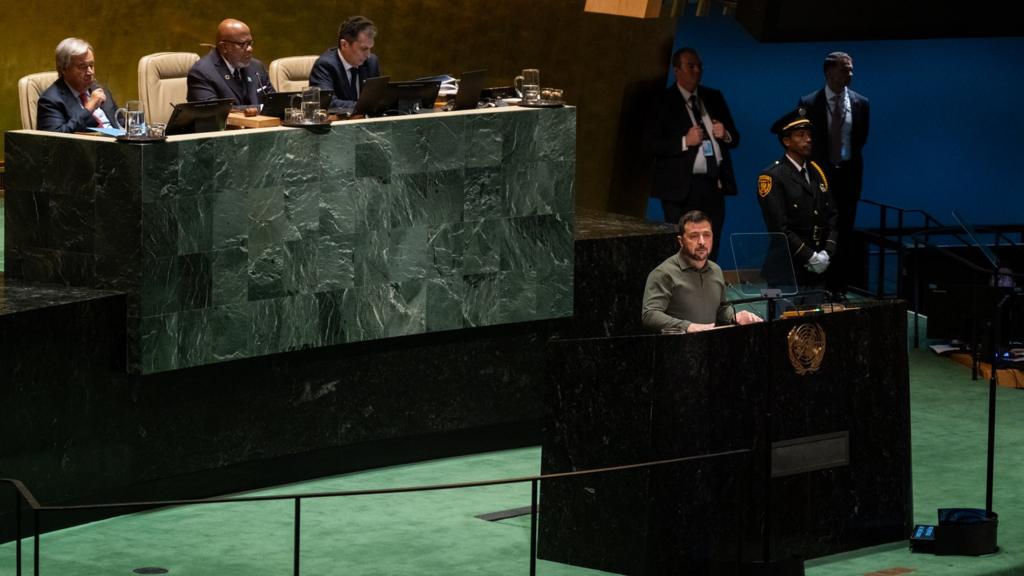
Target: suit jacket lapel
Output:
{"points": [[72, 103], [820, 110], [71, 100], [229, 81], [795, 175], [346, 81], [857, 109]]}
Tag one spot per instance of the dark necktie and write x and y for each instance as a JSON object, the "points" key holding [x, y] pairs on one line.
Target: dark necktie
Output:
{"points": [[835, 155], [695, 108], [806, 176], [85, 99], [698, 118], [355, 81]]}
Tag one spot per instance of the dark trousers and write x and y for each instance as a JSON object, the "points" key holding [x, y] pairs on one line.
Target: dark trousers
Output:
{"points": [[844, 183], [705, 196]]}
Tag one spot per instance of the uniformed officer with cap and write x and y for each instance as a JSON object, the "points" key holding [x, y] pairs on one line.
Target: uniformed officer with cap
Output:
{"points": [[795, 200]]}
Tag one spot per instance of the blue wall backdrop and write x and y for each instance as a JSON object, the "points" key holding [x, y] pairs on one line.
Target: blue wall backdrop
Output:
{"points": [[947, 117]]}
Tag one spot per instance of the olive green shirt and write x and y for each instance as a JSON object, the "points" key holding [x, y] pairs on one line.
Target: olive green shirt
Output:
{"points": [[678, 295]]}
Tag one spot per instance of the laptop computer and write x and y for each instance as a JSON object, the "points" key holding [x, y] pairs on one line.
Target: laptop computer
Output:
{"points": [[203, 116], [471, 84], [274, 103], [371, 101]]}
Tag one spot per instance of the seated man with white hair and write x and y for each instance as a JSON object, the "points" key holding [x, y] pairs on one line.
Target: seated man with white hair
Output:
{"points": [[75, 102]]}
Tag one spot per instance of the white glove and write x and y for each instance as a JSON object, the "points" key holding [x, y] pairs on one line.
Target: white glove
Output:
{"points": [[825, 260], [818, 262]]}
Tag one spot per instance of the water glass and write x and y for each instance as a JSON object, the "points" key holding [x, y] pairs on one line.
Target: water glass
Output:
{"points": [[310, 103], [132, 118], [156, 129], [528, 84], [293, 115]]}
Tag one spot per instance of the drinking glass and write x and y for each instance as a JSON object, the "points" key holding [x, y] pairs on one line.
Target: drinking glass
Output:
{"points": [[132, 118], [528, 84], [310, 103]]}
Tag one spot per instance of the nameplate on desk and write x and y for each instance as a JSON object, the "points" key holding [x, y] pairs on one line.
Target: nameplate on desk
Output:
{"points": [[810, 453]]}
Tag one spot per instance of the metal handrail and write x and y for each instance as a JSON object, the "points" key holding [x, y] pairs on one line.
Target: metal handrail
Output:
{"points": [[900, 248], [898, 237], [23, 494]]}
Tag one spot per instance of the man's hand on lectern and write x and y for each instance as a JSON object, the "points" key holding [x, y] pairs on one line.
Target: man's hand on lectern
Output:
{"points": [[694, 327], [747, 317]]}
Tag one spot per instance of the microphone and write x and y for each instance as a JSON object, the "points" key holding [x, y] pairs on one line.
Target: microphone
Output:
{"points": [[262, 85]]}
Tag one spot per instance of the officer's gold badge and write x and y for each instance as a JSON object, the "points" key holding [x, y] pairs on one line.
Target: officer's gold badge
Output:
{"points": [[764, 185], [806, 344]]}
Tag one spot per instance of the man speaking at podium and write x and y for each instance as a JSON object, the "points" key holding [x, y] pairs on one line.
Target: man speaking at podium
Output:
{"points": [[686, 292]]}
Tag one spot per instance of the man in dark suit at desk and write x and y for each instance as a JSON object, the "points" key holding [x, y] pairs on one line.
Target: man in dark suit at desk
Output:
{"points": [[690, 136], [75, 101], [840, 118], [229, 70], [346, 67]]}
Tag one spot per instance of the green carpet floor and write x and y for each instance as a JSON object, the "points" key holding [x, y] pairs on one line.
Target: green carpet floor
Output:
{"points": [[438, 532]]}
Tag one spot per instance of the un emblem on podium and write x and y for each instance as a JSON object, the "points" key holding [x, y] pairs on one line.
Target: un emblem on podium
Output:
{"points": [[806, 348]]}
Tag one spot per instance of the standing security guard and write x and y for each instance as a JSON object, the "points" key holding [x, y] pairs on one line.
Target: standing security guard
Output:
{"points": [[795, 200]]}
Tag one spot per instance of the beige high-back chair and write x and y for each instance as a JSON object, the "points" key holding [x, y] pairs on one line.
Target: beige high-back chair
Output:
{"points": [[29, 89], [163, 82], [291, 74]]}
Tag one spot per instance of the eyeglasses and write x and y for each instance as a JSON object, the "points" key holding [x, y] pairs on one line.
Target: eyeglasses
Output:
{"points": [[242, 45], [84, 66]]}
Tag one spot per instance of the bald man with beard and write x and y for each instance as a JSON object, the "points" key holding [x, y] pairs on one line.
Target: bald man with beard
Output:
{"points": [[229, 70]]}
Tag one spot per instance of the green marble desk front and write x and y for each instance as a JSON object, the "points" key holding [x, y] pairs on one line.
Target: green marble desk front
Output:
{"points": [[246, 243]]}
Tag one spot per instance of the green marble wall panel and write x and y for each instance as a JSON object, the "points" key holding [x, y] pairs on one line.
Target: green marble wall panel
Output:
{"points": [[259, 242]]}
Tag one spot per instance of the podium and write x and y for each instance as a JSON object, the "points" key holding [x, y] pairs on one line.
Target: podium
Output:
{"points": [[840, 442]]}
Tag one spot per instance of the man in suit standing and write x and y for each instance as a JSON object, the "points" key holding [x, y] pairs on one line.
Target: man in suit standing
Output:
{"points": [[840, 117], [229, 70], [690, 136], [75, 101], [346, 67]]}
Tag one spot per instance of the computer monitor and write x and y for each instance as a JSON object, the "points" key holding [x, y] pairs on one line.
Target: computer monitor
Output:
{"points": [[470, 85], [203, 116], [380, 97], [412, 96]]}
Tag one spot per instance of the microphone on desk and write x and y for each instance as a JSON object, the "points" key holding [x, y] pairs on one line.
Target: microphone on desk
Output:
{"points": [[262, 90], [262, 85]]}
